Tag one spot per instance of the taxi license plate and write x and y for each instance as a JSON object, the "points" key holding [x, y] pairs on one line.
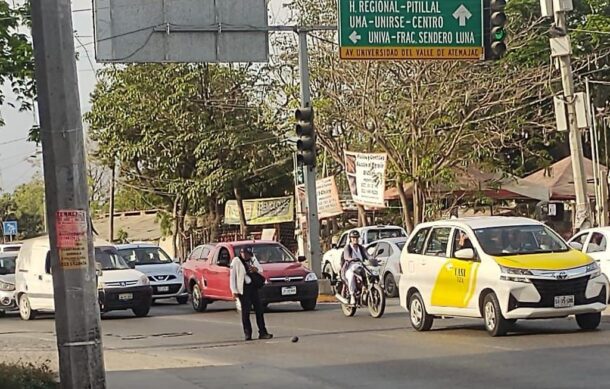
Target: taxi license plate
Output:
{"points": [[289, 290], [126, 296], [163, 289], [564, 301]]}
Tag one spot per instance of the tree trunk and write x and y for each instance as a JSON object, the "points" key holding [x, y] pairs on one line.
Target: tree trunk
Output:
{"points": [[406, 214], [243, 224], [181, 236], [418, 204], [361, 216], [216, 217], [175, 229]]}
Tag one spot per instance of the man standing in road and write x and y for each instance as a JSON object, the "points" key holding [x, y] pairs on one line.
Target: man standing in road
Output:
{"points": [[246, 273]]}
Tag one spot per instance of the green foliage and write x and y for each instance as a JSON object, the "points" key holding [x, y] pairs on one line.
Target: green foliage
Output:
{"points": [[26, 205], [22, 375], [187, 132], [16, 62]]}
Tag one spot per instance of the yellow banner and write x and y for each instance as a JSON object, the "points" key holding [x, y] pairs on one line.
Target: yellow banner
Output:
{"points": [[395, 53], [261, 211]]}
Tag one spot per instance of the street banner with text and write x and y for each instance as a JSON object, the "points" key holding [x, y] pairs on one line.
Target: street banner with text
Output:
{"points": [[261, 211], [329, 204], [366, 178]]}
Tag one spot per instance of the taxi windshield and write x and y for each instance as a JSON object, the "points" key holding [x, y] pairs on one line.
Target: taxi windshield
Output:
{"points": [[519, 240], [7, 264], [109, 259], [270, 253]]}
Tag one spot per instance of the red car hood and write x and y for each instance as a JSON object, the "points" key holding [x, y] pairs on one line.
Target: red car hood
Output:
{"points": [[284, 269]]}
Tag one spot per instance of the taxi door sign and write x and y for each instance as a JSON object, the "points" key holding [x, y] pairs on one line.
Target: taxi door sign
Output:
{"points": [[455, 284], [71, 228]]}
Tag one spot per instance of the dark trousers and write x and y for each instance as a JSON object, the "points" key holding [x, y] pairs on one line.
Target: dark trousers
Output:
{"points": [[248, 299]]}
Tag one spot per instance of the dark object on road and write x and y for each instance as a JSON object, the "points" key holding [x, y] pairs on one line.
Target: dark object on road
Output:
{"points": [[295, 339]]}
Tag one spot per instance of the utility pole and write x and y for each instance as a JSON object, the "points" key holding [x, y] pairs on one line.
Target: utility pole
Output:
{"points": [[111, 206], [309, 172], [77, 319], [558, 43]]}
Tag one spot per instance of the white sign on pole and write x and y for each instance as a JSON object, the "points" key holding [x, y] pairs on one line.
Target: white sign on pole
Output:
{"points": [[366, 178], [181, 31]]}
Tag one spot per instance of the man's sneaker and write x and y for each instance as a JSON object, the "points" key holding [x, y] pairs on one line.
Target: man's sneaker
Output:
{"points": [[248, 338], [265, 336]]}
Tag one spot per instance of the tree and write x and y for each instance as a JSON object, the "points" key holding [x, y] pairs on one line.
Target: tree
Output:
{"points": [[191, 135], [26, 206], [430, 117], [16, 62]]}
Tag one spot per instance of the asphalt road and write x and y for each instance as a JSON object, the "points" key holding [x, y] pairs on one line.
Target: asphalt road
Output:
{"points": [[177, 348]]}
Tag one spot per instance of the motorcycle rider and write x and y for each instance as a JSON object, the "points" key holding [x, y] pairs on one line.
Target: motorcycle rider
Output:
{"points": [[353, 256]]}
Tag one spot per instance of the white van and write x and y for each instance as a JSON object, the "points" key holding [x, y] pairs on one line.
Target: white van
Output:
{"points": [[120, 287], [9, 247]]}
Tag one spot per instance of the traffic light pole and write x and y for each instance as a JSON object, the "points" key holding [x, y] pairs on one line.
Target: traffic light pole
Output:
{"points": [[77, 318], [314, 254]]}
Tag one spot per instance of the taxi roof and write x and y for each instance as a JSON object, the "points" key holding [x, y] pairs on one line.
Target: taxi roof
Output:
{"points": [[477, 222]]}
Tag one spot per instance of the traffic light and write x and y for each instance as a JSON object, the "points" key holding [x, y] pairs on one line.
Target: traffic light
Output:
{"points": [[306, 145], [495, 33]]}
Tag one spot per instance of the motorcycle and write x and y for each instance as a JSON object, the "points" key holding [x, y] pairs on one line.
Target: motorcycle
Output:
{"points": [[368, 291]]}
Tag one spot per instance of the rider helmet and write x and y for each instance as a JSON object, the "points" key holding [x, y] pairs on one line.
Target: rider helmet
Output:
{"points": [[354, 234]]}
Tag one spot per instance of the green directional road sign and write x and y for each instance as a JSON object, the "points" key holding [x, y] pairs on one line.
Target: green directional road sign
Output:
{"points": [[405, 29]]}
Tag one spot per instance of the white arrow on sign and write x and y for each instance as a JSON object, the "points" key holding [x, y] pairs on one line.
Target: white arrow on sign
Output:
{"points": [[354, 37], [462, 14]]}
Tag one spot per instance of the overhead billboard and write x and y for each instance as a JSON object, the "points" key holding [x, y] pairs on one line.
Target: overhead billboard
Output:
{"points": [[129, 31]]}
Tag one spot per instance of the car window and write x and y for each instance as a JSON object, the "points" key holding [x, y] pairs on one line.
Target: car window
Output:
{"points": [[195, 254], [416, 245], [205, 253], [223, 255], [47, 263], [519, 240], [383, 250], [581, 238], [342, 241], [7, 264], [401, 245], [384, 233], [8, 249], [597, 243], [145, 255], [270, 253], [460, 241], [438, 242]]}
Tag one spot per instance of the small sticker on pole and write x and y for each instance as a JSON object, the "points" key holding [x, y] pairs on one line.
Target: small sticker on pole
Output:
{"points": [[71, 227]]}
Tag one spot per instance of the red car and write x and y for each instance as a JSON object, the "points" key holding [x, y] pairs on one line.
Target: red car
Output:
{"points": [[207, 276]]}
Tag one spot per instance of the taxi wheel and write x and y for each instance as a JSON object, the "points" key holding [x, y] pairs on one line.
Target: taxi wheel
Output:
{"points": [[589, 321], [198, 301], [420, 320], [495, 323]]}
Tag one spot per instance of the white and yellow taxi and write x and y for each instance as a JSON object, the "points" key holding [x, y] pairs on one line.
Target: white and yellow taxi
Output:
{"points": [[498, 268]]}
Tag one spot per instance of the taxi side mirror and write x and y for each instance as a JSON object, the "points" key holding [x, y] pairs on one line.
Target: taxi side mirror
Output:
{"points": [[576, 245], [466, 254], [334, 246], [302, 258]]}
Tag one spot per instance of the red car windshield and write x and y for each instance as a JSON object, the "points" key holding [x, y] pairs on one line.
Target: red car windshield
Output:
{"points": [[269, 253]]}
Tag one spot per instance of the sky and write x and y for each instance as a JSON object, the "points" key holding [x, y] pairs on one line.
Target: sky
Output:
{"points": [[21, 160]]}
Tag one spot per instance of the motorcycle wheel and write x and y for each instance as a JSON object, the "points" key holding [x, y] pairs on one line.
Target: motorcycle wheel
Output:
{"points": [[376, 301], [348, 310]]}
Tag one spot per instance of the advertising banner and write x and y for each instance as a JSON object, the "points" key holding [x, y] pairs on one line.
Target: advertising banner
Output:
{"points": [[366, 177], [261, 211]]}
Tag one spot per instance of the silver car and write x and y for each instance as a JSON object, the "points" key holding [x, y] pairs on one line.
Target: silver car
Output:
{"points": [[7, 282]]}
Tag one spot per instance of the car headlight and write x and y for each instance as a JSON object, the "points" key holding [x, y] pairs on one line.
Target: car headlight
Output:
{"points": [[5, 286], [311, 277], [144, 280], [594, 269], [514, 275]]}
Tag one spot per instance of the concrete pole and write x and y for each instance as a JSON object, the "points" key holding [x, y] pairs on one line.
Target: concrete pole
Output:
{"points": [[583, 210], [77, 318], [313, 237], [111, 206]]}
